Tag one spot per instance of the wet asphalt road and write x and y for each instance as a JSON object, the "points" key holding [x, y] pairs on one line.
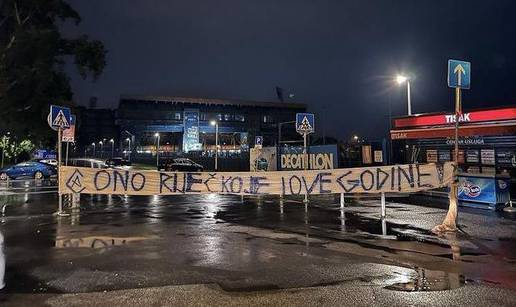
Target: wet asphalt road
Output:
{"points": [[220, 250]]}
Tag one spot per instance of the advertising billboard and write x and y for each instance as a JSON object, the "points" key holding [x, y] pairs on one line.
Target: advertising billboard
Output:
{"points": [[487, 156], [472, 156], [191, 131], [506, 157], [484, 190]]}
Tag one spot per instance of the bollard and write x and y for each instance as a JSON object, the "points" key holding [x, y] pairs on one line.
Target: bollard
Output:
{"points": [[60, 210], [384, 227], [342, 201], [241, 198], [383, 204], [342, 219]]}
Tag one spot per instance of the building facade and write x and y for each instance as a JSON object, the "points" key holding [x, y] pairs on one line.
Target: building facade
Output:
{"points": [[187, 124], [183, 124]]}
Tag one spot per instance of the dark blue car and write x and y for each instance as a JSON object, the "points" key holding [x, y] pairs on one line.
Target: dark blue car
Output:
{"points": [[33, 169]]}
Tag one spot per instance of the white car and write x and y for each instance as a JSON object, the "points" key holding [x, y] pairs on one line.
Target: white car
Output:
{"points": [[49, 161]]}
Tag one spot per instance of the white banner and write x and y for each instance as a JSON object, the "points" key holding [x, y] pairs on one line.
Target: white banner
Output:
{"points": [[393, 178]]}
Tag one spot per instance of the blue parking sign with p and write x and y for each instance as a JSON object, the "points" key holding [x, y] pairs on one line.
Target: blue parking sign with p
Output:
{"points": [[60, 117], [258, 140]]}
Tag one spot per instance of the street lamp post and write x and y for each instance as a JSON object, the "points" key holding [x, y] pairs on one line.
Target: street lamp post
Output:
{"points": [[93, 144], [157, 149], [129, 151], [216, 124], [101, 148], [112, 141], [402, 79]]}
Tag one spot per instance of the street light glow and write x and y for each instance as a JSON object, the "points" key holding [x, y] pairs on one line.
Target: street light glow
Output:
{"points": [[401, 79], [112, 140], [213, 123], [156, 134], [128, 139]]}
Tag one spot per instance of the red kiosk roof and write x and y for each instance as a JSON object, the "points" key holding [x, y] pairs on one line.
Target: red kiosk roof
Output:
{"points": [[500, 121]]}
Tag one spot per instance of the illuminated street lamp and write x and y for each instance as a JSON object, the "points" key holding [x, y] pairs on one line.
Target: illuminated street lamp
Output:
{"points": [[214, 123], [355, 138], [93, 144], [400, 79], [112, 148], [129, 153], [157, 149], [101, 148]]}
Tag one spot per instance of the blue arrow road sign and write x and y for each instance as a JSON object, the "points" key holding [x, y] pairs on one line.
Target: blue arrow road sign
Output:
{"points": [[60, 117], [459, 74], [258, 140], [305, 123]]}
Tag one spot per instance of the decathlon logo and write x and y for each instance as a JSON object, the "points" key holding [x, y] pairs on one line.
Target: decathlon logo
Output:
{"points": [[74, 183]]}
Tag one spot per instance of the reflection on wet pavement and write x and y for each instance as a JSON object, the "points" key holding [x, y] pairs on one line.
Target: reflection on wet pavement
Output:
{"points": [[2, 261], [118, 242], [427, 280]]}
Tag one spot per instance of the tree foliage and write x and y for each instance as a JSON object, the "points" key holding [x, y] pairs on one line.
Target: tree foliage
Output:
{"points": [[32, 57], [12, 149]]}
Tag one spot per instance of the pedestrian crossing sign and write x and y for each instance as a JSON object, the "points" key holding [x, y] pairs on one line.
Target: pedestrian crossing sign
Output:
{"points": [[60, 117], [305, 123]]}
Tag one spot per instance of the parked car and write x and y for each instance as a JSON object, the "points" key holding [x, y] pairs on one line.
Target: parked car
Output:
{"points": [[47, 161], [118, 161], [33, 169], [85, 162], [179, 164]]}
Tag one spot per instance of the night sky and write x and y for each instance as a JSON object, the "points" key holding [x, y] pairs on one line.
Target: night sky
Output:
{"points": [[337, 56]]}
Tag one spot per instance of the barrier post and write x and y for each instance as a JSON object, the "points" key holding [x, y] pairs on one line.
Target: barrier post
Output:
{"points": [[384, 227], [342, 201], [383, 204]]}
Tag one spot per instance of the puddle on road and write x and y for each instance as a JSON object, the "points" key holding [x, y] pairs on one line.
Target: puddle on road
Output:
{"points": [[428, 280]]}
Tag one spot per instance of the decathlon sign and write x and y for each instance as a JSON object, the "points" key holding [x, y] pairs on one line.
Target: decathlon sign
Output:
{"points": [[392, 178], [319, 157]]}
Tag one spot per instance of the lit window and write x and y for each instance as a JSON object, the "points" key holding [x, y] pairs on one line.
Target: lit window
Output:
{"points": [[268, 119]]}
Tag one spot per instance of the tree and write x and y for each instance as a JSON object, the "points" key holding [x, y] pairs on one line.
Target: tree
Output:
{"points": [[32, 57], [11, 149]]}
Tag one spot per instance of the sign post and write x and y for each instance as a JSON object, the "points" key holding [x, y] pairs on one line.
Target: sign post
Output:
{"points": [[305, 124], [459, 77], [59, 118]]}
